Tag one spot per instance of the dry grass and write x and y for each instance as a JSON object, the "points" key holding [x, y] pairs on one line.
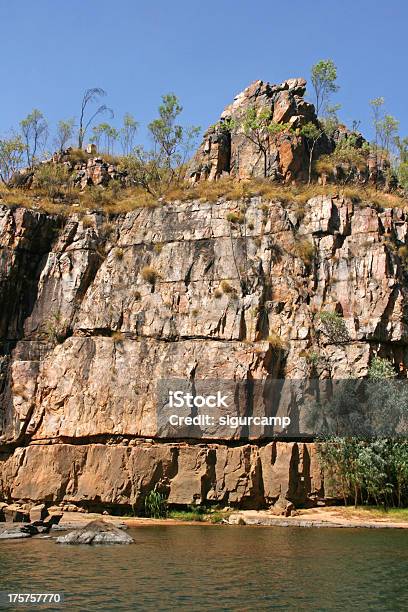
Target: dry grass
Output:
{"points": [[234, 217], [372, 512], [150, 275], [117, 336], [78, 156], [118, 252], [305, 249], [87, 222], [276, 341], [231, 190], [226, 287], [117, 201]]}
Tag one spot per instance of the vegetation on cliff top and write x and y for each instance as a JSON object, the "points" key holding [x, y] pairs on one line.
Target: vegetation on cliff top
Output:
{"points": [[157, 175]]}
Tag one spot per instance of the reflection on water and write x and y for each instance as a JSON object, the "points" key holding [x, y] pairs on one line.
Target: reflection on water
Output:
{"points": [[218, 568]]}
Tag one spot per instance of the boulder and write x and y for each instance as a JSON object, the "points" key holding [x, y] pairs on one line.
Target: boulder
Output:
{"points": [[2, 516], [38, 513], [18, 532], [96, 532], [15, 514]]}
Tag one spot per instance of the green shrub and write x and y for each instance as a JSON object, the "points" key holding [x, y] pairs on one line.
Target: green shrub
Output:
{"points": [[54, 328], [381, 368], [155, 505], [53, 179], [234, 217], [367, 471], [334, 326]]}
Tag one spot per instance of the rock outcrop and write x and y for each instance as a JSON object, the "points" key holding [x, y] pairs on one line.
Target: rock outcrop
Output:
{"points": [[226, 151], [94, 312], [96, 532]]}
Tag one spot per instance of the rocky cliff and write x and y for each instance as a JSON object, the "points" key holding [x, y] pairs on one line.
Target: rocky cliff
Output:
{"points": [[95, 310], [228, 151]]}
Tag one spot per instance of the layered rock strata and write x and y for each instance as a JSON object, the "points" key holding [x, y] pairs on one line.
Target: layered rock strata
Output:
{"points": [[95, 311]]}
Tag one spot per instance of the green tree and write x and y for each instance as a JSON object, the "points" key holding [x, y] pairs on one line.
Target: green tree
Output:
{"points": [[34, 129], [324, 76], [104, 136], [403, 175], [385, 129], [154, 170], [402, 148], [401, 145], [388, 129], [128, 133], [376, 106], [171, 141], [65, 131], [399, 460], [258, 128], [312, 134], [90, 96], [12, 150]]}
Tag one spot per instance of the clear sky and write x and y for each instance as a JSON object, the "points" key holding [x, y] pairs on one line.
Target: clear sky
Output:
{"points": [[204, 51]]}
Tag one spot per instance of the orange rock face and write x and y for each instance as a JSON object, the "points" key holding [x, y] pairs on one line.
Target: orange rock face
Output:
{"points": [[85, 337], [230, 152]]}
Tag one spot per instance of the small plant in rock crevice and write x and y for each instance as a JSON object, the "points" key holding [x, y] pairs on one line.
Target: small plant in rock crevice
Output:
{"points": [[150, 275], [306, 250], [226, 287], [276, 341], [334, 327], [54, 328]]}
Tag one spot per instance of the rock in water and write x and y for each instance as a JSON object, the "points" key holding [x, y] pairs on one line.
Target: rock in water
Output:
{"points": [[17, 532], [96, 532]]}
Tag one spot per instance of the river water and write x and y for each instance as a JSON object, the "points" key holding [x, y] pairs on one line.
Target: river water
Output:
{"points": [[217, 568]]}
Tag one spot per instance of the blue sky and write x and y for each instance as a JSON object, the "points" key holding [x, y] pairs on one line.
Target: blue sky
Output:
{"points": [[205, 52]]}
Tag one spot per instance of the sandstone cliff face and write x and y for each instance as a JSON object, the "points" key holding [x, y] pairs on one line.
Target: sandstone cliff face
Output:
{"points": [[86, 332]]}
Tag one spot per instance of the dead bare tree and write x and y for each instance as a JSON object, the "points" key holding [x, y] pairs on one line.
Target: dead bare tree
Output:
{"points": [[90, 96]]}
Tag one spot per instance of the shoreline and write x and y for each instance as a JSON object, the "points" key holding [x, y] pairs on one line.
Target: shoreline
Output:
{"points": [[339, 517], [333, 517]]}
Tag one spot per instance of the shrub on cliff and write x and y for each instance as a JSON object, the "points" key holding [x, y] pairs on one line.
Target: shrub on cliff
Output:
{"points": [[344, 163], [150, 275], [306, 250], [52, 179], [12, 150], [334, 326]]}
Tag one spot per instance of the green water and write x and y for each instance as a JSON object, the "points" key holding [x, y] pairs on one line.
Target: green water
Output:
{"points": [[218, 568]]}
